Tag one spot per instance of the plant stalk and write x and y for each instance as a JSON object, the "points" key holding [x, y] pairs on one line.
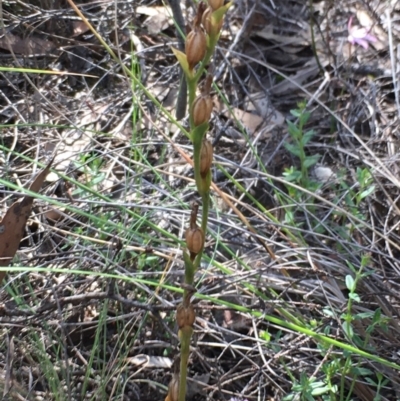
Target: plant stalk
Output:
{"points": [[203, 182]]}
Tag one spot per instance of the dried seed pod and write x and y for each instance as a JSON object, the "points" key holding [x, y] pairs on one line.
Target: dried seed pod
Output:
{"points": [[195, 46], [210, 27], [194, 239], [206, 157], [173, 389], [202, 109], [185, 316], [215, 4]]}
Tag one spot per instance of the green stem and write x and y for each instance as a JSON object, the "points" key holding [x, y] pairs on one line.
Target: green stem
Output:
{"points": [[185, 336], [190, 270], [304, 171], [206, 205], [205, 197], [197, 135], [192, 86]]}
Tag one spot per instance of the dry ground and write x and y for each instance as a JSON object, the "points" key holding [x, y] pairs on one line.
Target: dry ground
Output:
{"points": [[77, 333]]}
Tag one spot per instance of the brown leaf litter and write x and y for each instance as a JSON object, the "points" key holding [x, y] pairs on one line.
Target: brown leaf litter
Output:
{"points": [[12, 225]]}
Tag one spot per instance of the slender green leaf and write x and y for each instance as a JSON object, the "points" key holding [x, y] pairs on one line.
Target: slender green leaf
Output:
{"points": [[307, 137], [294, 150], [294, 131], [311, 160], [366, 192]]}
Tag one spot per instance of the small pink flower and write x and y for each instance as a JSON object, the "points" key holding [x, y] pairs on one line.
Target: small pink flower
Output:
{"points": [[360, 35]]}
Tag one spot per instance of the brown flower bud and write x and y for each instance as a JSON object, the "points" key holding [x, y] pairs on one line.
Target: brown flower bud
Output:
{"points": [[173, 389], [185, 316], [206, 157], [202, 109], [215, 4], [206, 20], [210, 27], [195, 46], [194, 239]]}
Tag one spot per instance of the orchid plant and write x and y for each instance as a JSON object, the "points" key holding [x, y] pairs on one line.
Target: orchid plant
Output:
{"points": [[360, 35], [200, 45]]}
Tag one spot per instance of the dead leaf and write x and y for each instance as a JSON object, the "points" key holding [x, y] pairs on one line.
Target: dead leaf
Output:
{"points": [[159, 18], [260, 103], [51, 212], [250, 121], [156, 10], [151, 361], [13, 223], [31, 46], [79, 27]]}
